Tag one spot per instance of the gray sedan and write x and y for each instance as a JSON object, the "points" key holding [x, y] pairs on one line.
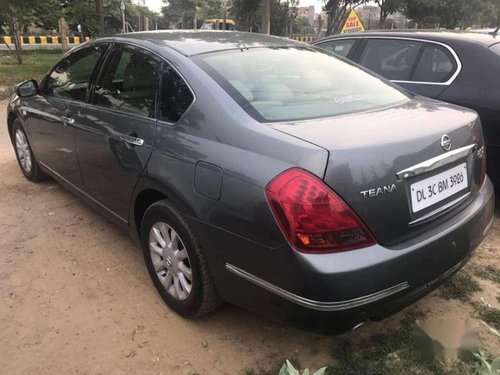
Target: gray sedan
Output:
{"points": [[261, 171]]}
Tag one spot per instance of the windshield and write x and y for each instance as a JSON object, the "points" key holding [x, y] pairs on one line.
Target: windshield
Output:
{"points": [[287, 84]]}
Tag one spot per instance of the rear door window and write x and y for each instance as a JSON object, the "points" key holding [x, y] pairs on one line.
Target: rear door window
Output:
{"points": [[435, 65], [391, 58], [341, 47], [176, 97], [129, 81]]}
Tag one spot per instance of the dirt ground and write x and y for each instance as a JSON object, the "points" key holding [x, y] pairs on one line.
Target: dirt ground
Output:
{"points": [[76, 298]]}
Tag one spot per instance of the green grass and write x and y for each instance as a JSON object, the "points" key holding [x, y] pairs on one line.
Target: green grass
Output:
{"points": [[35, 65], [460, 287], [394, 352], [490, 315], [488, 272]]}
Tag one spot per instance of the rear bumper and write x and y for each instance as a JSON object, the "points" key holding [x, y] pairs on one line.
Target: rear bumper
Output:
{"points": [[334, 292]]}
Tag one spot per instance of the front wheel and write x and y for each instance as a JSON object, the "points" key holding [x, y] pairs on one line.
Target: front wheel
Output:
{"points": [[175, 261], [24, 154]]}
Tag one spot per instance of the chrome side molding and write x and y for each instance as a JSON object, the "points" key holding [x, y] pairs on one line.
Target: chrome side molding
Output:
{"points": [[317, 305], [436, 162]]}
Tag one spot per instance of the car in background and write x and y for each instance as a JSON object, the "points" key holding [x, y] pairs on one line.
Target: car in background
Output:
{"points": [[218, 24], [457, 67], [323, 196]]}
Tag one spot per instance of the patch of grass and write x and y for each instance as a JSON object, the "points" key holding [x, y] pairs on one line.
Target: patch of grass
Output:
{"points": [[488, 272], [394, 352], [490, 315], [35, 65], [460, 287], [273, 369]]}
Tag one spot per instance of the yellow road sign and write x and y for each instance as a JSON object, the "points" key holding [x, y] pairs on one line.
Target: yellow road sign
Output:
{"points": [[353, 24]]}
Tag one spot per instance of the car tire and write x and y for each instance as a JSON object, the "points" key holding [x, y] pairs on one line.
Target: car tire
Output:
{"points": [[24, 154], [189, 298]]}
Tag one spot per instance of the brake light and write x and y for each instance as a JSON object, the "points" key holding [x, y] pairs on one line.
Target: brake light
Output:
{"points": [[312, 217]]}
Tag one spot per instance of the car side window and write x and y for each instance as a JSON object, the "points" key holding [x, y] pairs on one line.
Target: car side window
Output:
{"points": [[436, 65], [71, 77], [394, 59], [176, 97], [129, 82], [340, 47]]}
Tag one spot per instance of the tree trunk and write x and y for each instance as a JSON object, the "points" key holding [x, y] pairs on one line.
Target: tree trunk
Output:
{"points": [[18, 53], [63, 32], [266, 16], [100, 12]]}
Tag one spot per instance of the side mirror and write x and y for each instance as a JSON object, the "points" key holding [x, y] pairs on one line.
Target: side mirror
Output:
{"points": [[27, 88]]}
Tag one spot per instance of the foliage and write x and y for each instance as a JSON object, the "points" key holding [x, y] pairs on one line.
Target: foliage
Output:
{"points": [[245, 12], [288, 369], [388, 7], [488, 365], [15, 17], [453, 13], [337, 12]]}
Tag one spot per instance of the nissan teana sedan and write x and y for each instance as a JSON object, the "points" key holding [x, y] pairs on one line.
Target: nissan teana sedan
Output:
{"points": [[457, 67], [261, 171]]}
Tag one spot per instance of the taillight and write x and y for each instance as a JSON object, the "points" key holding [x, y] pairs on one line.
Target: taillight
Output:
{"points": [[312, 217]]}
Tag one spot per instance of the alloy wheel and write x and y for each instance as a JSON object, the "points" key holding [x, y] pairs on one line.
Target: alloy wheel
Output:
{"points": [[170, 260], [23, 151]]}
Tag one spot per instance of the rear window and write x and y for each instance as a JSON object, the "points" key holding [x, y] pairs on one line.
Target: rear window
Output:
{"points": [[287, 84], [496, 48]]}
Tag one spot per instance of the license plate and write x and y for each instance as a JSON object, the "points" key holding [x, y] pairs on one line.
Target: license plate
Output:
{"points": [[434, 189]]}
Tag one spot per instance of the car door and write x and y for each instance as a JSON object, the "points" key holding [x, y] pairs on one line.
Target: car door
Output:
{"points": [[423, 67], [116, 129], [50, 115]]}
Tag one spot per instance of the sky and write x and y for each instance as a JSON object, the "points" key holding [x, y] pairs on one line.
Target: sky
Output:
{"points": [[157, 4]]}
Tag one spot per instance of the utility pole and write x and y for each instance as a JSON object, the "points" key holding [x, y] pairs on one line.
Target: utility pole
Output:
{"points": [[122, 7], [266, 17]]}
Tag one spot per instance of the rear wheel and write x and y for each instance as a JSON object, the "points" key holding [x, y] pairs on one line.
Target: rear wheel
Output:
{"points": [[175, 261], [24, 154]]}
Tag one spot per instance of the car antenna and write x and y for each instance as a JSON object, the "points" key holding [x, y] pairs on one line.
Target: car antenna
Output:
{"points": [[242, 46], [495, 33]]}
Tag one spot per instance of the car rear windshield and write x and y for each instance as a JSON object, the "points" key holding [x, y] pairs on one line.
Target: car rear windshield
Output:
{"points": [[288, 84]]}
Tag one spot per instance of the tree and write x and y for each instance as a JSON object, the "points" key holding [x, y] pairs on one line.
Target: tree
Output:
{"points": [[453, 13], [245, 12], [388, 7], [16, 16], [337, 12], [179, 13]]}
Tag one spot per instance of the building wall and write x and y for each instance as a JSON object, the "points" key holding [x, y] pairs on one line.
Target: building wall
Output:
{"points": [[306, 12]]}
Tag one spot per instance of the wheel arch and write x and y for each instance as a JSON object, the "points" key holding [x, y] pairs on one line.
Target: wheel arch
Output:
{"points": [[148, 192], [10, 123]]}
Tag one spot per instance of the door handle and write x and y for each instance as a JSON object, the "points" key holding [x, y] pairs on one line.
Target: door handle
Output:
{"points": [[67, 120], [132, 140]]}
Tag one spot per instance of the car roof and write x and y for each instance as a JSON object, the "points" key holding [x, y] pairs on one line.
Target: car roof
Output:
{"points": [[439, 36], [193, 42]]}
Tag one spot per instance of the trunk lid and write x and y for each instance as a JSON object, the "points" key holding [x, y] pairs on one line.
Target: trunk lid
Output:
{"points": [[379, 160]]}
